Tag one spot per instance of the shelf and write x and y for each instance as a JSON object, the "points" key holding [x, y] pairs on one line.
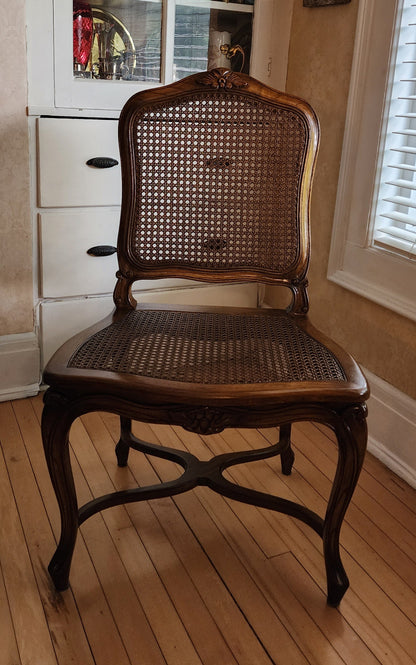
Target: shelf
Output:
{"points": [[207, 4], [217, 4]]}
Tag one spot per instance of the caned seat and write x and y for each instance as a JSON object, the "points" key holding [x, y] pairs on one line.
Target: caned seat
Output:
{"points": [[217, 172]]}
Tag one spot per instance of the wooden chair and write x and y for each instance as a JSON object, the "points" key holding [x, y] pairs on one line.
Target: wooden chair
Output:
{"points": [[217, 172]]}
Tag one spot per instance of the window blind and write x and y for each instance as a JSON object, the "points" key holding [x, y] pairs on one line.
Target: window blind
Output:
{"points": [[395, 209]]}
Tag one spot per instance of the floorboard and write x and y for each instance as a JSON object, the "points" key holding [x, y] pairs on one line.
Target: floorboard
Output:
{"points": [[199, 579]]}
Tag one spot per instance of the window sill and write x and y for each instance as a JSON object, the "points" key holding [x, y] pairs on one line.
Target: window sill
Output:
{"points": [[384, 278]]}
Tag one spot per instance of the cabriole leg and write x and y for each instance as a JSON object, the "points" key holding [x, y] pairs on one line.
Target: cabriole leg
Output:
{"points": [[287, 456], [352, 440], [55, 430], [123, 447]]}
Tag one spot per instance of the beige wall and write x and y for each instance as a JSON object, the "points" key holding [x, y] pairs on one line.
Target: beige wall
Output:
{"points": [[16, 299], [320, 59]]}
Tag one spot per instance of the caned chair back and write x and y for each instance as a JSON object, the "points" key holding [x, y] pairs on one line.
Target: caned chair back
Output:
{"points": [[216, 182]]}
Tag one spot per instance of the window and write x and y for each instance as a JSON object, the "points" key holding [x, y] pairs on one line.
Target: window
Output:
{"points": [[373, 245], [395, 209]]}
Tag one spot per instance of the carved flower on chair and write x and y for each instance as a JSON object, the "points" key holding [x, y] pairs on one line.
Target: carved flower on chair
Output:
{"points": [[222, 78], [202, 420]]}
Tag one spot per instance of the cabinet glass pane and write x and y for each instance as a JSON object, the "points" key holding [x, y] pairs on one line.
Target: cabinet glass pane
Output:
{"points": [[122, 40], [117, 39], [211, 34]]}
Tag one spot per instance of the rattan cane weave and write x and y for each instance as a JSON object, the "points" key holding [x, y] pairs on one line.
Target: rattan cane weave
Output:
{"points": [[217, 183], [209, 348]]}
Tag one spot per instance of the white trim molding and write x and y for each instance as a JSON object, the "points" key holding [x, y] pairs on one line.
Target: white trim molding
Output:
{"points": [[374, 273], [392, 428], [19, 366]]}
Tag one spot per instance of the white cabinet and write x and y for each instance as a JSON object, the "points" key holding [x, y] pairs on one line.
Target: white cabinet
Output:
{"points": [[78, 209], [73, 110]]}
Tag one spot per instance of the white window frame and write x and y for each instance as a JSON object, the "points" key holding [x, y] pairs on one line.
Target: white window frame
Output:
{"points": [[379, 275]]}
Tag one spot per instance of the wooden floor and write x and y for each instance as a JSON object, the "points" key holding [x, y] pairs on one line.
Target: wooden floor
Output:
{"points": [[199, 579]]}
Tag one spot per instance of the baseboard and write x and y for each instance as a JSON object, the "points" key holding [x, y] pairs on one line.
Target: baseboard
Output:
{"points": [[19, 366], [392, 428]]}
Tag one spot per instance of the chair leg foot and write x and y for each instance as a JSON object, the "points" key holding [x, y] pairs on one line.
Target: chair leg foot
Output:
{"points": [[336, 590], [287, 456], [59, 570], [123, 447]]}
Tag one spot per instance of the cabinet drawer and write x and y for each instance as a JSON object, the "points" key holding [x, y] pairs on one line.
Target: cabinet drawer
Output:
{"points": [[66, 268], [65, 145]]}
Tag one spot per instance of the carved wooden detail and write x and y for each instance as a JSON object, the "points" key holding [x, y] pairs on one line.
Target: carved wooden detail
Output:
{"points": [[222, 78], [55, 399], [122, 295], [202, 420], [300, 303]]}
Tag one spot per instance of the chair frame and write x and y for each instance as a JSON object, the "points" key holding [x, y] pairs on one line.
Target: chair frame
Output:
{"points": [[206, 409]]}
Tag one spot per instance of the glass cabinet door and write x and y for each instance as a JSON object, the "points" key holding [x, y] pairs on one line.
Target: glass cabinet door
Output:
{"points": [[90, 56], [211, 34], [151, 42], [117, 40]]}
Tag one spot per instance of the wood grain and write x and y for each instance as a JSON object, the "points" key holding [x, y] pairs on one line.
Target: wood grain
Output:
{"points": [[198, 579]]}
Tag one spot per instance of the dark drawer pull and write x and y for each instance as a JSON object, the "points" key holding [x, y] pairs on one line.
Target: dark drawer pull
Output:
{"points": [[102, 162], [102, 250]]}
